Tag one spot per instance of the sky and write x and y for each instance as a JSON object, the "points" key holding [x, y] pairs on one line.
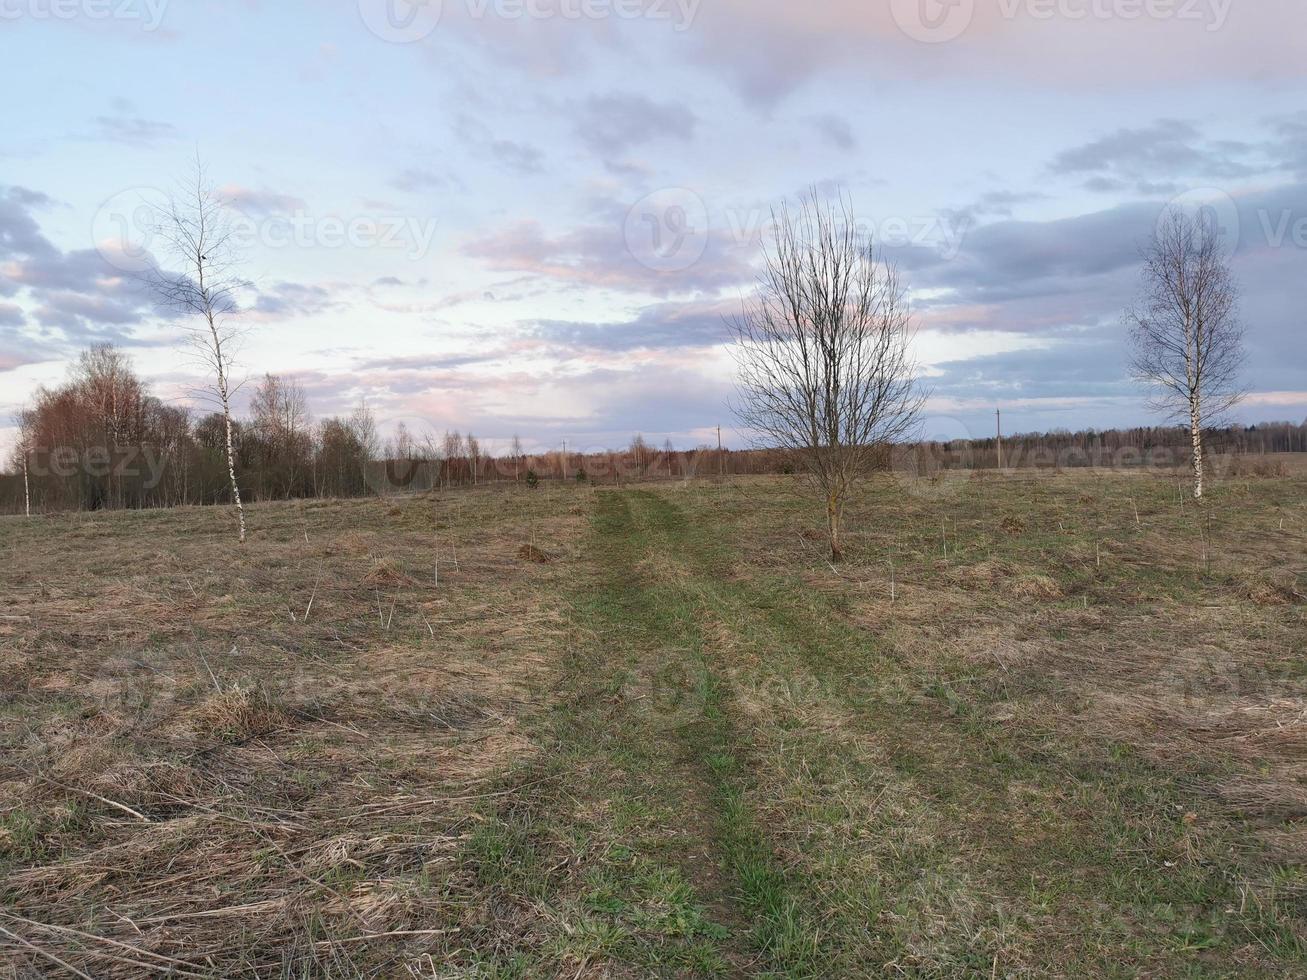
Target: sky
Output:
{"points": [[532, 216]]}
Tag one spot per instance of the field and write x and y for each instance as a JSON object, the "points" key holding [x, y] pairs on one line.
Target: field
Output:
{"points": [[1037, 725]]}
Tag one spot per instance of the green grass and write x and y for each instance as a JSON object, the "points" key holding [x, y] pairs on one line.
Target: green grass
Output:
{"points": [[852, 811]]}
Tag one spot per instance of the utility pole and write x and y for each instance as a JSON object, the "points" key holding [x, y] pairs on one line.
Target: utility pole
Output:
{"points": [[564, 459], [721, 460], [998, 418]]}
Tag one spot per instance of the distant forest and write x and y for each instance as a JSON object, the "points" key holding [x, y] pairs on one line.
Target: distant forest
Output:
{"points": [[102, 440]]}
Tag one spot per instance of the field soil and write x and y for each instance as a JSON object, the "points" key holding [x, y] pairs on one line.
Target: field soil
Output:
{"points": [[1036, 724]]}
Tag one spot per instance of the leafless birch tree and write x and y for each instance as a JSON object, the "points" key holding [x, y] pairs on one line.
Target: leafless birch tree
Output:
{"points": [[199, 241], [1185, 330], [24, 450], [824, 353]]}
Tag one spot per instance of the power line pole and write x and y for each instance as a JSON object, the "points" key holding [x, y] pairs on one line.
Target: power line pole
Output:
{"points": [[564, 459], [998, 418], [721, 460]]}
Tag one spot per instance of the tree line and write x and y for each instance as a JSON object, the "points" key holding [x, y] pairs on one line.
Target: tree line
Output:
{"points": [[102, 439]]}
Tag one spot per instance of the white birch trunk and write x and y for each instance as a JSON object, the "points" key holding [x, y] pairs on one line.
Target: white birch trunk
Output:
{"points": [[223, 396]]}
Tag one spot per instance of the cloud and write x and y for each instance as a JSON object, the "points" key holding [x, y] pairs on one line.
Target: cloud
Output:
{"points": [[288, 299], [427, 362], [71, 297], [597, 256], [518, 157], [20, 234], [612, 124], [418, 179], [662, 326], [834, 130], [1290, 143], [769, 49], [11, 315], [512, 155], [133, 130], [261, 202], [1014, 259], [1169, 148]]}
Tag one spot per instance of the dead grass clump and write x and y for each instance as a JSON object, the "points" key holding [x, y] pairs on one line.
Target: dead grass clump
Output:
{"points": [[1267, 469], [350, 543], [385, 571], [236, 714], [1013, 525], [1262, 593], [1036, 587], [980, 576], [529, 552]]}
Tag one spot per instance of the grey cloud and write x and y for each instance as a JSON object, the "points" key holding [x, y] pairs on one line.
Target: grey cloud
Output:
{"points": [[76, 294], [1165, 149], [261, 202], [663, 326], [1290, 144], [835, 130], [294, 299], [417, 179], [518, 157], [424, 362], [1084, 364], [596, 256], [20, 234], [512, 155], [133, 130], [611, 124], [11, 315], [75, 311], [1023, 258]]}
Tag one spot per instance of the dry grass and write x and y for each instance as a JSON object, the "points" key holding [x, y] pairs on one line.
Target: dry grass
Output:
{"points": [[228, 761], [1182, 631], [276, 760]]}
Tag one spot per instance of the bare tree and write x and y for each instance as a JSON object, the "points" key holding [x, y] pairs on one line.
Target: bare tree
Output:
{"points": [[1185, 330], [23, 450], [473, 454], [199, 239], [517, 455], [824, 358], [453, 452]]}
